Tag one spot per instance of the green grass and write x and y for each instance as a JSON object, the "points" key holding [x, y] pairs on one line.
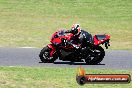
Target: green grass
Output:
{"points": [[27, 77], [32, 22]]}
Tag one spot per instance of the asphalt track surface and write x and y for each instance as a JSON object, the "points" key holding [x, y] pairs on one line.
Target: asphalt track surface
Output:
{"points": [[114, 59]]}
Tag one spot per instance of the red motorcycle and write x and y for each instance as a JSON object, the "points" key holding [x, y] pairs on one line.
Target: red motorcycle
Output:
{"points": [[89, 51]]}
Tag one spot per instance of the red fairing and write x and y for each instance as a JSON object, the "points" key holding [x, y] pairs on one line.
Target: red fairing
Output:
{"points": [[69, 36], [54, 35], [97, 42], [58, 40], [52, 49]]}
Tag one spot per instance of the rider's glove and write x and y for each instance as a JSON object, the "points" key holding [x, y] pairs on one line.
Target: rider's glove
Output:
{"points": [[76, 46]]}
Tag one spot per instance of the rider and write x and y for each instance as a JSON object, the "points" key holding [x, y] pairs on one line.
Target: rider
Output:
{"points": [[76, 31], [80, 37]]}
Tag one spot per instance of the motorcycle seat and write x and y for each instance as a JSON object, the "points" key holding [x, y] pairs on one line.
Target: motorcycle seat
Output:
{"points": [[100, 37]]}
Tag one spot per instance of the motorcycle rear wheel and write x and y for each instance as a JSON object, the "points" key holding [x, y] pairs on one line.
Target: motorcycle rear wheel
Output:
{"points": [[45, 56], [97, 58]]}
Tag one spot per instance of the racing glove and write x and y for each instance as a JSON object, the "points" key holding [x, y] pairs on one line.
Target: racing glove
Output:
{"points": [[76, 46]]}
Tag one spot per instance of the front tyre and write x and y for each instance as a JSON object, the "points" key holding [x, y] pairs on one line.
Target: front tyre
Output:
{"points": [[45, 56], [96, 57]]}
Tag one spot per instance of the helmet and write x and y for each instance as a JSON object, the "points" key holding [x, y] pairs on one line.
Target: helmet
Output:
{"points": [[76, 29]]}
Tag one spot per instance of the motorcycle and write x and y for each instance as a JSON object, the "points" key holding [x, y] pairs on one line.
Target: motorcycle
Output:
{"points": [[89, 50]]}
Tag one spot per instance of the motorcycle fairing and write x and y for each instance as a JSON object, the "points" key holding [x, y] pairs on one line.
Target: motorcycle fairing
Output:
{"points": [[58, 36], [99, 39], [50, 46]]}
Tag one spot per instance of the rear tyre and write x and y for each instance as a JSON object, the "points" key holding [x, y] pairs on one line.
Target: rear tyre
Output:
{"points": [[45, 56], [97, 56]]}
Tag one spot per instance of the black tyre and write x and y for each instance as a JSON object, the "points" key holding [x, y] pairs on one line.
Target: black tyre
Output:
{"points": [[96, 57], [45, 56]]}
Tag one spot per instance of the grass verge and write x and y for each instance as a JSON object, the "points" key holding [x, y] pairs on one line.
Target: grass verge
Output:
{"points": [[32, 22], [27, 77]]}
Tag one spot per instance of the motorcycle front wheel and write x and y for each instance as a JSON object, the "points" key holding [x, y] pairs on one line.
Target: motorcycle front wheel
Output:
{"points": [[45, 56], [96, 57]]}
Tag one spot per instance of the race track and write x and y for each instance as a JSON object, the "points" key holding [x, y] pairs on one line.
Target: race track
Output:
{"points": [[114, 59]]}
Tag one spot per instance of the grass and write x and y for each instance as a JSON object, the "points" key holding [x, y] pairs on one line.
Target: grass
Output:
{"points": [[27, 77], [32, 22]]}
